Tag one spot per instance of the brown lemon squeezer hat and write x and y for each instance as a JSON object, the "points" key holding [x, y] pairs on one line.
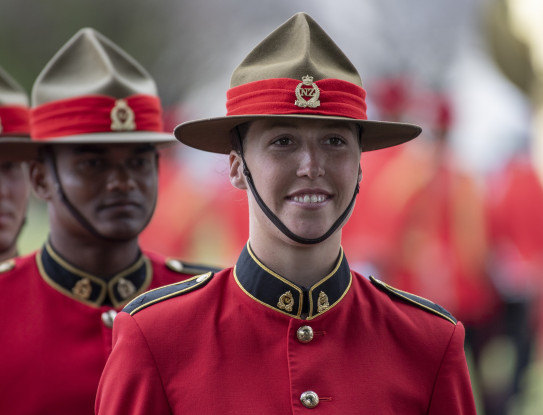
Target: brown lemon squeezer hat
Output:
{"points": [[92, 91], [296, 72], [14, 118]]}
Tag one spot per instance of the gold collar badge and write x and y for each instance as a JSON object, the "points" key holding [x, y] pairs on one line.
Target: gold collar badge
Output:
{"points": [[126, 288], [307, 88], [82, 289], [322, 302], [122, 117], [286, 302]]}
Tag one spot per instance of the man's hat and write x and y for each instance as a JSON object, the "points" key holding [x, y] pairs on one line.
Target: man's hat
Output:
{"points": [[93, 92], [296, 72], [14, 117]]}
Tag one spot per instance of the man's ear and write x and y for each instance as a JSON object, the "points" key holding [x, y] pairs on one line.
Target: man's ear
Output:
{"points": [[40, 179], [359, 174], [237, 178]]}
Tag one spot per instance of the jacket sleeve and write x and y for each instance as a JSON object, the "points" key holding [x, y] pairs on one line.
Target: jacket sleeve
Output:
{"points": [[130, 382], [452, 392]]}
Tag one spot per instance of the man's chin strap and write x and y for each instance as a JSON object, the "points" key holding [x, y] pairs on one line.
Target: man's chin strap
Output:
{"points": [[277, 222], [78, 215]]}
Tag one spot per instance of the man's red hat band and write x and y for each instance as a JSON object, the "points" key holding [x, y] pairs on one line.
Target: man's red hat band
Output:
{"points": [[278, 96], [14, 119], [96, 114]]}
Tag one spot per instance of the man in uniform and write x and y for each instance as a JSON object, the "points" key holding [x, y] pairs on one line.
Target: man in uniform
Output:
{"points": [[14, 186], [95, 124], [290, 327]]}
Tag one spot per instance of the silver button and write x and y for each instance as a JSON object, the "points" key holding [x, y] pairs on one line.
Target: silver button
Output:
{"points": [[108, 317], [304, 334], [309, 399]]}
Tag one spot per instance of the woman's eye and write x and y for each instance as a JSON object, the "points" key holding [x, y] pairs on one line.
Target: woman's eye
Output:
{"points": [[283, 141]]}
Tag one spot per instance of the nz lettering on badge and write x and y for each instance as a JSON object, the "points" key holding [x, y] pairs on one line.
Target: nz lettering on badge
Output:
{"points": [[307, 89]]}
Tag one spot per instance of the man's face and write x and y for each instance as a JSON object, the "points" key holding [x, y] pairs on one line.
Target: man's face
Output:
{"points": [[113, 186], [14, 190], [304, 170]]}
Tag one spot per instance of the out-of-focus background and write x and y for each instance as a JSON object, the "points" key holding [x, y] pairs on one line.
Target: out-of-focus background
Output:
{"points": [[454, 216]]}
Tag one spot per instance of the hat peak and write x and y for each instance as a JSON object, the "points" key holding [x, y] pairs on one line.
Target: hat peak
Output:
{"points": [[91, 64]]}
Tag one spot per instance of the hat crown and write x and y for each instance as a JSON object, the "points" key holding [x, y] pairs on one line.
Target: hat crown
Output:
{"points": [[297, 48], [11, 93], [91, 64]]}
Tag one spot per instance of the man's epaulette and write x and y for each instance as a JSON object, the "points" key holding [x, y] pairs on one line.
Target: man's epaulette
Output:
{"points": [[414, 299], [190, 269], [7, 265], [168, 291]]}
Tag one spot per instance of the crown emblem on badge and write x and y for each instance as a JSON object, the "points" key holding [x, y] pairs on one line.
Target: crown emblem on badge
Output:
{"points": [[122, 117], [307, 88]]}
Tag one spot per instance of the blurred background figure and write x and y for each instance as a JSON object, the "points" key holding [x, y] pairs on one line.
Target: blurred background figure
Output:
{"points": [[515, 204], [14, 185]]}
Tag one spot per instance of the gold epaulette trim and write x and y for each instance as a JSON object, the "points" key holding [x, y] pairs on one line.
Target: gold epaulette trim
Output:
{"points": [[420, 302], [168, 291]]}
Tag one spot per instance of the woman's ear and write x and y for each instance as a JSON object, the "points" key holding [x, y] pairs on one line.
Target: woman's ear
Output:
{"points": [[40, 180], [237, 178]]}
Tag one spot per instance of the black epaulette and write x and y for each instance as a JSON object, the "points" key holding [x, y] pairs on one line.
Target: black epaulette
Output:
{"points": [[7, 265], [168, 291], [415, 300], [190, 269]]}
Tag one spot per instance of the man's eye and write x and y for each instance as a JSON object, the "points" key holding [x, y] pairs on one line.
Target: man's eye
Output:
{"points": [[92, 163], [336, 141], [139, 162]]}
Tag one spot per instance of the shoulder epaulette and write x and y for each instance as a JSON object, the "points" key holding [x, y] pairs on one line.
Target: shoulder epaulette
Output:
{"points": [[415, 300], [7, 265], [190, 269], [168, 291]]}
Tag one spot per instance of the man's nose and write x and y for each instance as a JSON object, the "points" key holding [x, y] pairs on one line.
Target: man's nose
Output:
{"points": [[120, 179]]}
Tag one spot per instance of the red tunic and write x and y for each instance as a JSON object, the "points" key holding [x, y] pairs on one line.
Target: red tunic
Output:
{"points": [[54, 329], [232, 347]]}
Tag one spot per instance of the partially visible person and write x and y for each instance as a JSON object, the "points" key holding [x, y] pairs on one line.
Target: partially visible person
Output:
{"points": [[14, 185], [291, 328], [96, 122]]}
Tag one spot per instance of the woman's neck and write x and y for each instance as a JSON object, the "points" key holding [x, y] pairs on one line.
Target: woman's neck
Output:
{"points": [[303, 265]]}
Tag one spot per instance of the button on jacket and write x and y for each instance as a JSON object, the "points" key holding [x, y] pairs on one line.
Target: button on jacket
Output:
{"points": [[248, 341]]}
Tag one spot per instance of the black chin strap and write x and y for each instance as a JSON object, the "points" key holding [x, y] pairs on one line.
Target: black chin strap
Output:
{"points": [[277, 222], [77, 214]]}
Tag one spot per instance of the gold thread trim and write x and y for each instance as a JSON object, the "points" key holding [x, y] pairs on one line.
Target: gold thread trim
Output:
{"points": [[405, 295], [262, 302], [156, 300], [63, 290]]}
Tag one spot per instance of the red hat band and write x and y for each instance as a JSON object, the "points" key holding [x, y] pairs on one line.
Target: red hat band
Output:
{"points": [[282, 96], [96, 114], [14, 120]]}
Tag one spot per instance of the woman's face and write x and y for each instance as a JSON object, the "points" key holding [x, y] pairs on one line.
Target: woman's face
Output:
{"points": [[304, 170]]}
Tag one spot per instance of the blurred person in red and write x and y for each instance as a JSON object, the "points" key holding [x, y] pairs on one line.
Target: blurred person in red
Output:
{"points": [[515, 204], [96, 122], [396, 173], [14, 185]]}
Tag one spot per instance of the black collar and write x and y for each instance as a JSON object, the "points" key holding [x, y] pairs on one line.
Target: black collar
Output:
{"points": [[275, 291], [90, 289]]}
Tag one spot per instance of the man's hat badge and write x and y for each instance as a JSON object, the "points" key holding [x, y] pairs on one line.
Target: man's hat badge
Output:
{"points": [[307, 89], [122, 117]]}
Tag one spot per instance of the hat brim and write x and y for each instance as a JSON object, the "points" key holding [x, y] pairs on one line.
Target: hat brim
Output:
{"points": [[20, 150], [213, 134]]}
